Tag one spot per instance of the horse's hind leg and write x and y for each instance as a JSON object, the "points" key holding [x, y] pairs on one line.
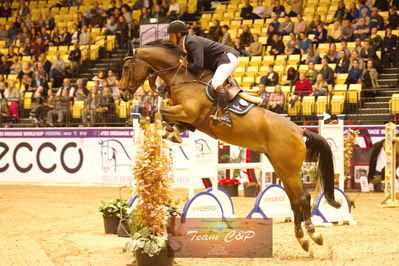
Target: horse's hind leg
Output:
{"points": [[310, 229]]}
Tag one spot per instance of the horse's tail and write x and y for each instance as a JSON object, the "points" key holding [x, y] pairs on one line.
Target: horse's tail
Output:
{"points": [[318, 150], [373, 158]]}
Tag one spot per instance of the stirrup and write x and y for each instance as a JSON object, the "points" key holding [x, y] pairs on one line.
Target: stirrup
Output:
{"points": [[227, 121]]}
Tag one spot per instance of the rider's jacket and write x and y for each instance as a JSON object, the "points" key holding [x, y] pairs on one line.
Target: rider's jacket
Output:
{"points": [[204, 53]]}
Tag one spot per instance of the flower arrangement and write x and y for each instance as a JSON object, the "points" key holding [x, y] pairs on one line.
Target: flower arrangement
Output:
{"points": [[251, 184], [228, 181], [152, 174], [349, 142]]}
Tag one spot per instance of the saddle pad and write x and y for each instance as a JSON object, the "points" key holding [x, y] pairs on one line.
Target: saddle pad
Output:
{"points": [[237, 105]]}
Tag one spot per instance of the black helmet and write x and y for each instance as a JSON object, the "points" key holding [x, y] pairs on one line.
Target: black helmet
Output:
{"points": [[177, 26]]}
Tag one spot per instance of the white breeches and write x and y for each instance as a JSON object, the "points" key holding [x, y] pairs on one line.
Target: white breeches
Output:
{"points": [[224, 71]]}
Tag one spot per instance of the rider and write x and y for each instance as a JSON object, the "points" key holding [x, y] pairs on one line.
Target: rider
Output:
{"points": [[203, 53]]}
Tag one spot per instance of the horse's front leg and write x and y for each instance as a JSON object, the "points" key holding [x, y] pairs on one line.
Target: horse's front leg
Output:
{"points": [[174, 113]]}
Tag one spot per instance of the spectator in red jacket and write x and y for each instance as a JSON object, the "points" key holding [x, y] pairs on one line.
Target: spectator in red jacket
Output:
{"points": [[303, 87]]}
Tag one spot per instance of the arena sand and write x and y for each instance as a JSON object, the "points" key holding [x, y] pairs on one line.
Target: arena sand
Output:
{"points": [[52, 225]]}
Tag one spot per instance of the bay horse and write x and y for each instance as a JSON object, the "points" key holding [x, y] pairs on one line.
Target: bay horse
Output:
{"points": [[259, 130]]}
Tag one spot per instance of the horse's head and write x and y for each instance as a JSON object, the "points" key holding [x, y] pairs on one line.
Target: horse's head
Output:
{"points": [[134, 73]]}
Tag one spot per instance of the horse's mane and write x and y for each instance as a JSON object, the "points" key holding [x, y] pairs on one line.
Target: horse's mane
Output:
{"points": [[162, 43]]}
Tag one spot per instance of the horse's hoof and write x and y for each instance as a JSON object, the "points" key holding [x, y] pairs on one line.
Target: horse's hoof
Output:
{"points": [[317, 238], [175, 138], [167, 127], [304, 243]]}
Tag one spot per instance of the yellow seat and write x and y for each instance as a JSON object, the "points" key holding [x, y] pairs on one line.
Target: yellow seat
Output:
{"points": [[321, 105], [340, 90], [354, 93], [341, 78], [308, 103], [394, 104], [27, 100], [247, 81], [77, 109], [293, 110], [337, 104]]}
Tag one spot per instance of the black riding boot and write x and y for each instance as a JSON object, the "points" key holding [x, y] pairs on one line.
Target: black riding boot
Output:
{"points": [[223, 103]]}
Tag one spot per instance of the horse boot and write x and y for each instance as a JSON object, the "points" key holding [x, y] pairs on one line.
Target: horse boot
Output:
{"points": [[225, 118]]}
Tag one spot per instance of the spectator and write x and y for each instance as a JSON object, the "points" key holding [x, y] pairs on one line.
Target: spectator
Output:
{"points": [[19, 23], [13, 96], [12, 32], [82, 20], [271, 78], [275, 22], [292, 46], [271, 31], [57, 70], [382, 4], [287, 27], [197, 29], [107, 106], [277, 46], [369, 80], [25, 82], [320, 35], [95, 7], [95, 20], [5, 112], [393, 18], [33, 33], [60, 110], [347, 31], [354, 74], [37, 111], [92, 102], [240, 48], [246, 11], [84, 38], [246, 37], [81, 91], [110, 11], [259, 11], [332, 55], [128, 18], [334, 33], [311, 73], [314, 24], [363, 5], [389, 48], [26, 69], [65, 37], [145, 14], [302, 88], [255, 48], [358, 45], [212, 34], [327, 72], [38, 81], [226, 39], [111, 78], [367, 53], [362, 30], [276, 100], [99, 78], [75, 34], [157, 12], [292, 77], [300, 25], [5, 10], [55, 38], [3, 32], [75, 57], [45, 63], [174, 10], [320, 87], [376, 20], [11, 54], [341, 13], [342, 64], [15, 67], [304, 43], [375, 40], [164, 7], [5, 65], [46, 38], [66, 86], [363, 15], [38, 47], [25, 34], [123, 33], [278, 9], [48, 23], [115, 91], [296, 7], [23, 10], [355, 56]]}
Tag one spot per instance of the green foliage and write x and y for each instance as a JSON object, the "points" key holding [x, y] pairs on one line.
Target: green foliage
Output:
{"points": [[237, 159], [145, 241], [314, 174], [376, 180], [113, 208]]}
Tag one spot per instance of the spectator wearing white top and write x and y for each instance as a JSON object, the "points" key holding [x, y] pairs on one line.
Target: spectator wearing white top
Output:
{"points": [[260, 10], [84, 38], [66, 86], [174, 9]]}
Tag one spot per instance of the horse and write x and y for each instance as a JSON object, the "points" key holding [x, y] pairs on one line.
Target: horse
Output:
{"points": [[113, 154], [260, 130]]}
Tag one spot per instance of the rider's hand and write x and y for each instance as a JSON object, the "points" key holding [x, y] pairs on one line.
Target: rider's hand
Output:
{"points": [[183, 62]]}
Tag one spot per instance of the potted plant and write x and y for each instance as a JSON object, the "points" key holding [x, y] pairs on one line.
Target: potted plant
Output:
{"points": [[230, 185], [111, 212], [251, 189], [149, 220], [377, 184]]}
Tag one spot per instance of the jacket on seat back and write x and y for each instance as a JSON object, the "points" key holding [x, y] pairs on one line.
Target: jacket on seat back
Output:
{"points": [[204, 53]]}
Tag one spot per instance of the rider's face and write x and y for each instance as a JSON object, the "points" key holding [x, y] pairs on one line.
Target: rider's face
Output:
{"points": [[173, 38]]}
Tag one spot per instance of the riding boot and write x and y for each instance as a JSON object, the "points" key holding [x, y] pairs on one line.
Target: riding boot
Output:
{"points": [[223, 103]]}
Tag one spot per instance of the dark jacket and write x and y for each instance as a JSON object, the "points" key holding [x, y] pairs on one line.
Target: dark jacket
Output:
{"points": [[203, 53], [75, 55], [42, 82], [328, 74], [270, 79]]}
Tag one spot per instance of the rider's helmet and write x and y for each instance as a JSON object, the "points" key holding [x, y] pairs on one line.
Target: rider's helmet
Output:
{"points": [[177, 26]]}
